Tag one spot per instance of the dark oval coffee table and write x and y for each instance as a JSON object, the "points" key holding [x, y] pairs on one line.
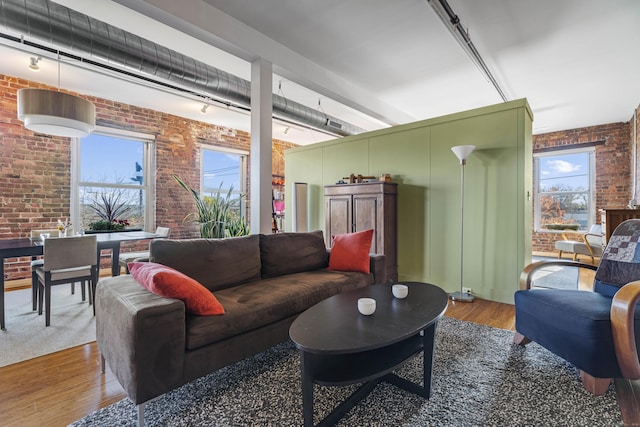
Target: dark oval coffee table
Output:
{"points": [[340, 346]]}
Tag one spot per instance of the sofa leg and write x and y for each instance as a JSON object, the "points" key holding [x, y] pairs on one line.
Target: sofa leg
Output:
{"points": [[520, 339], [141, 414], [597, 386]]}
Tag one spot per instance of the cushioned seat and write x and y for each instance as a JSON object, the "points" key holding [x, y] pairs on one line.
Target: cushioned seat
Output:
{"points": [[256, 304], [596, 331], [575, 325], [590, 244]]}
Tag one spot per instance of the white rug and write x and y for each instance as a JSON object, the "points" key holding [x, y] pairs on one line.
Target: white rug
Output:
{"points": [[26, 337]]}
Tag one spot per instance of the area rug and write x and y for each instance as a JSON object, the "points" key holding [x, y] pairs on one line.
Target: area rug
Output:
{"points": [[479, 379], [555, 276], [26, 337]]}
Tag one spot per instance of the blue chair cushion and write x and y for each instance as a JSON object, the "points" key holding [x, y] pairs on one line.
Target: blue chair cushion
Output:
{"points": [[573, 324]]}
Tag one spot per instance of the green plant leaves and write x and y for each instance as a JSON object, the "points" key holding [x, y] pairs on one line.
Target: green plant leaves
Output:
{"points": [[216, 215]]}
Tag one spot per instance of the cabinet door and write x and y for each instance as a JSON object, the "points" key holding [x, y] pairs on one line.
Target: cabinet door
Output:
{"points": [[365, 217], [338, 216]]}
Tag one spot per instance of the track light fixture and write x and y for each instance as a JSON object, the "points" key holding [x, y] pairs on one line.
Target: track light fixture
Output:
{"points": [[204, 108], [452, 22], [33, 63]]}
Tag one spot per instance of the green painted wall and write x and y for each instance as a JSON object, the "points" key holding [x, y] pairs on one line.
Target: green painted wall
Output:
{"points": [[497, 216]]}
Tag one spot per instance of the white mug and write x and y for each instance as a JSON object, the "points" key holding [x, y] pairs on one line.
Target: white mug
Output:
{"points": [[366, 306], [400, 291]]}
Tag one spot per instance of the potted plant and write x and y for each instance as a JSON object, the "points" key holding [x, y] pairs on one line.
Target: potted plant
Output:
{"points": [[110, 208], [216, 215], [103, 225], [558, 226]]}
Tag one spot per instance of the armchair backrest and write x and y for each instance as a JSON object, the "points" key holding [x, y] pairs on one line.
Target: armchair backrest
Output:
{"points": [[594, 235], [620, 261], [70, 252]]}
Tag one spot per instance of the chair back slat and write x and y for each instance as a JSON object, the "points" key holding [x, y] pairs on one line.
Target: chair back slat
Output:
{"points": [[70, 252], [620, 261], [35, 234], [163, 231]]}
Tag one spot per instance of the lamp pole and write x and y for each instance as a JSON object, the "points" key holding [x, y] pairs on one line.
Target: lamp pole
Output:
{"points": [[462, 152]]}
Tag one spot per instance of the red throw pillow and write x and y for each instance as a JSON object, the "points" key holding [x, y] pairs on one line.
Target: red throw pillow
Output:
{"points": [[350, 252], [170, 283]]}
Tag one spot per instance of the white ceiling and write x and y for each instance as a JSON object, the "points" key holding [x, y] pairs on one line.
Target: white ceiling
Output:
{"points": [[375, 63]]}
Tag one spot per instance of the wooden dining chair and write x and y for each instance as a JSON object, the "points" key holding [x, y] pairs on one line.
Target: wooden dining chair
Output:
{"points": [[38, 262], [67, 260]]}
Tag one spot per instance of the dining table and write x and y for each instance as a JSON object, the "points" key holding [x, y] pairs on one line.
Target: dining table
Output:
{"points": [[26, 246]]}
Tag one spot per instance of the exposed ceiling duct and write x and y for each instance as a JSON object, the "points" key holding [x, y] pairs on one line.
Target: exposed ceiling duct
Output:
{"points": [[83, 35]]}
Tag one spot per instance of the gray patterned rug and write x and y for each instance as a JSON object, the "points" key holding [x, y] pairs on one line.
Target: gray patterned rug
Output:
{"points": [[479, 379]]}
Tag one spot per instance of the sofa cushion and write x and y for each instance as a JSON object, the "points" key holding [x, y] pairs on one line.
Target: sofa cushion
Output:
{"points": [[256, 304], [350, 252], [286, 253], [170, 283], [215, 263]]}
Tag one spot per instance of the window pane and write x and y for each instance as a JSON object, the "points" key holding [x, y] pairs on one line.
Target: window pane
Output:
{"points": [[569, 172], [563, 190], [111, 204], [220, 168], [111, 160], [565, 208]]}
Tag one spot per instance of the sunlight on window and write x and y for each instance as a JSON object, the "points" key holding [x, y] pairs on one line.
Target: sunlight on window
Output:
{"points": [[563, 190], [112, 190]]}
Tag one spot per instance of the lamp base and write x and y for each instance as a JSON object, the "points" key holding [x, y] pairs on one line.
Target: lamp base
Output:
{"points": [[461, 296]]}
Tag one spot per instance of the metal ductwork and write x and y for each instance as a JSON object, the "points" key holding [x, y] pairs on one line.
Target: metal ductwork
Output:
{"points": [[102, 43]]}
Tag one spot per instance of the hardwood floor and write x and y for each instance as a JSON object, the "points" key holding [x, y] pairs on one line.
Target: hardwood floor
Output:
{"points": [[59, 388]]}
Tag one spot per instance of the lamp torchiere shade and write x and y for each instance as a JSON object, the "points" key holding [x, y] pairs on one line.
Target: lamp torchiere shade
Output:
{"points": [[56, 113], [463, 152]]}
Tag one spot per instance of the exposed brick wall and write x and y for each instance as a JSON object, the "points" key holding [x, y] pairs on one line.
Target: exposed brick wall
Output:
{"points": [[613, 168], [35, 169]]}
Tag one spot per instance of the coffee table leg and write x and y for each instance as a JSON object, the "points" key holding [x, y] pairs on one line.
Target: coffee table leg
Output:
{"points": [[307, 390], [428, 341]]}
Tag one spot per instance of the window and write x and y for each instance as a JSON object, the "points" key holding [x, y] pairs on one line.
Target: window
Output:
{"points": [[112, 179], [564, 184], [224, 170]]}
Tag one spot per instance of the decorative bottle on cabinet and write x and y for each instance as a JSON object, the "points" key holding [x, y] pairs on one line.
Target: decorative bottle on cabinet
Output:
{"points": [[357, 207]]}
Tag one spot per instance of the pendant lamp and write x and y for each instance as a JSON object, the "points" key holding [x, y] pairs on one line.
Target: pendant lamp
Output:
{"points": [[56, 113]]}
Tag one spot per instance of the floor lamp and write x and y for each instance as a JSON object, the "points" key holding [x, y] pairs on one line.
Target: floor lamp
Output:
{"points": [[462, 152]]}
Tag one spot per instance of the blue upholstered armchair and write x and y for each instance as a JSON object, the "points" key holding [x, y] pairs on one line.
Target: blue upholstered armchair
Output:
{"points": [[596, 331]]}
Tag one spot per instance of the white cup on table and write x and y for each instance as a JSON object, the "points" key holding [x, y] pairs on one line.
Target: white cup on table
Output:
{"points": [[400, 291], [366, 306]]}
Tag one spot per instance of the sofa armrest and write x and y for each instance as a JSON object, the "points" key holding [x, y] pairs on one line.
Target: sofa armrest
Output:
{"points": [[141, 336], [378, 267]]}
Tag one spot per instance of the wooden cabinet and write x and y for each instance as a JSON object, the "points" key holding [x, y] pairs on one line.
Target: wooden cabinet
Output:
{"points": [[357, 207], [611, 218]]}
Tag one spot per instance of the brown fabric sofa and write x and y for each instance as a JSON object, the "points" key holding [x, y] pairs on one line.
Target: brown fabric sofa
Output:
{"points": [[263, 281]]}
